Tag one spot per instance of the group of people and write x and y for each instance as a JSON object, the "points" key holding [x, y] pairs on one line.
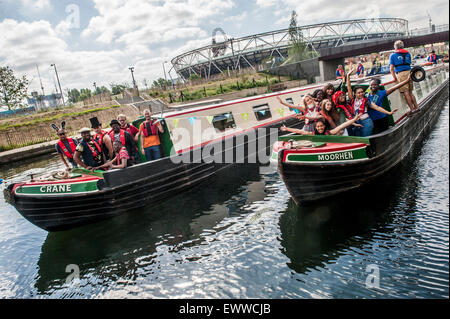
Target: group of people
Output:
{"points": [[115, 149], [360, 112]]}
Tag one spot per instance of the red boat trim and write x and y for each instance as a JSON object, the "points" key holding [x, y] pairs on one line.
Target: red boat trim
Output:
{"points": [[68, 181], [64, 181], [250, 100], [324, 151]]}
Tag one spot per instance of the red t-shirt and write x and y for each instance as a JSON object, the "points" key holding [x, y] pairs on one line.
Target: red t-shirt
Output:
{"points": [[130, 129], [122, 154]]}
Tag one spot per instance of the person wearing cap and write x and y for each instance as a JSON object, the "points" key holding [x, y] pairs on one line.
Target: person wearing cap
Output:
{"points": [[433, 57], [102, 138], [88, 153], [66, 146], [117, 134], [400, 64]]}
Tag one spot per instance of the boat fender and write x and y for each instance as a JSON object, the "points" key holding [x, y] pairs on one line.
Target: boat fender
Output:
{"points": [[418, 74]]}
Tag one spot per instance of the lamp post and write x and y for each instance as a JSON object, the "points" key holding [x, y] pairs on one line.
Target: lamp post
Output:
{"points": [[165, 76], [59, 84], [132, 76], [95, 88]]}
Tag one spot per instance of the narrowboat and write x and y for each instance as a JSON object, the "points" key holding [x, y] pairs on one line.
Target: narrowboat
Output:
{"points": [[317, 167], [196, 143]]}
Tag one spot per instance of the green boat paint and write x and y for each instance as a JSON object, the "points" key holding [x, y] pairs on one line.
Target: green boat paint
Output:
{"points": [[58, 188], [329, 157]]}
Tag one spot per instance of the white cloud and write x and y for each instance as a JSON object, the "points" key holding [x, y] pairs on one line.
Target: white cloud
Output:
{"points": [[25, 44], [149, 21], [266, 3]]}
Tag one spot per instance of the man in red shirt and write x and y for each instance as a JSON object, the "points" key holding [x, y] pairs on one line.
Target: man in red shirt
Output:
{"points": [[130, 128]]}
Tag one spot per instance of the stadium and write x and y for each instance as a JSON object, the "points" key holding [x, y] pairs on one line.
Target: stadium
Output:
{"points": [[250, 51]]}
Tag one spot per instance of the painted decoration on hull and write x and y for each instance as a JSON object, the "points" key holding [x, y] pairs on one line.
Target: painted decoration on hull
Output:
{"points": [[61, 188]]}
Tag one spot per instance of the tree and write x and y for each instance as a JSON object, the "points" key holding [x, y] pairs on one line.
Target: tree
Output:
{"points": [[74, 95], [161, 83], [117, 88], [101, 89], [299, 51], [13, 90]]}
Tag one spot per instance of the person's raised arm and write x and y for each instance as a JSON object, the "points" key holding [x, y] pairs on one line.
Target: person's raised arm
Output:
{"points": [[399, 85], [292, 106], [382, 110], [294, 130], [344, 125], [349, 86], [160, 127]]}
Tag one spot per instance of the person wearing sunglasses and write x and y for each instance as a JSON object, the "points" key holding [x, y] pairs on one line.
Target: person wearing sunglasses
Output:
{"points": [[66, 147]]}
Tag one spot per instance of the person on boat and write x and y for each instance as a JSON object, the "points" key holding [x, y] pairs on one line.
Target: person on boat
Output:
{"points": [[433, 57], [298, 109], [377, 97], [330, 114], [318, 95], [120, 160], [400, 65], [102, 138], [360, 104], [340, 73], [66, 146], [124, 125], [344, 107], [149, 131], [360, 70], [320, 128], [311, 113], [328, 90], [88, 153], [117, 134]]}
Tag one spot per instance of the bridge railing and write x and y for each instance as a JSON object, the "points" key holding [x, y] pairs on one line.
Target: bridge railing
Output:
{"points": [[428, 30]]}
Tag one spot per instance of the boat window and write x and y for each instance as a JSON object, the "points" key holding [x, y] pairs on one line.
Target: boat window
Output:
{"points": [[223, 121], [262, 112], [289, 100]]}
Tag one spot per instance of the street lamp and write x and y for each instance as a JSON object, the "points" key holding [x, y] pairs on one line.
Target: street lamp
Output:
{"points": [[59, 84], [164, 69], [132, 75]]}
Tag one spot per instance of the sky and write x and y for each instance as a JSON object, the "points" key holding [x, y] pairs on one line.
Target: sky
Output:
{"points": [[98, 40]]}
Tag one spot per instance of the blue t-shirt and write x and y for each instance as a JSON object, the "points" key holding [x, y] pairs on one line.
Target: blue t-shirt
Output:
{"points": [[433, 58], [360, 69], [400, 61], [377, 98]]}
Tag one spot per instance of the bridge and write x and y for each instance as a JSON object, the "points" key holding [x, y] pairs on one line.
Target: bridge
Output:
{"points": [[330, 58], [251, 51]]}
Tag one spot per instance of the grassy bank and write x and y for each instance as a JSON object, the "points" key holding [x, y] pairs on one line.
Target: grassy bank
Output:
{"points": [[45, 119]]}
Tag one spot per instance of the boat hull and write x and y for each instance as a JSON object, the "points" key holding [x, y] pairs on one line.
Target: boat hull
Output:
{"points": [[142, 185], [313, 181]]}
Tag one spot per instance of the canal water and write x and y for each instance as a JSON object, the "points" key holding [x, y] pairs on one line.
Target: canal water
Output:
{"points": [[241, 236]]}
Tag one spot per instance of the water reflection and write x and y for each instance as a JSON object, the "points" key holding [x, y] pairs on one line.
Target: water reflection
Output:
{"points": [[126, 238], [313, 235]]}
